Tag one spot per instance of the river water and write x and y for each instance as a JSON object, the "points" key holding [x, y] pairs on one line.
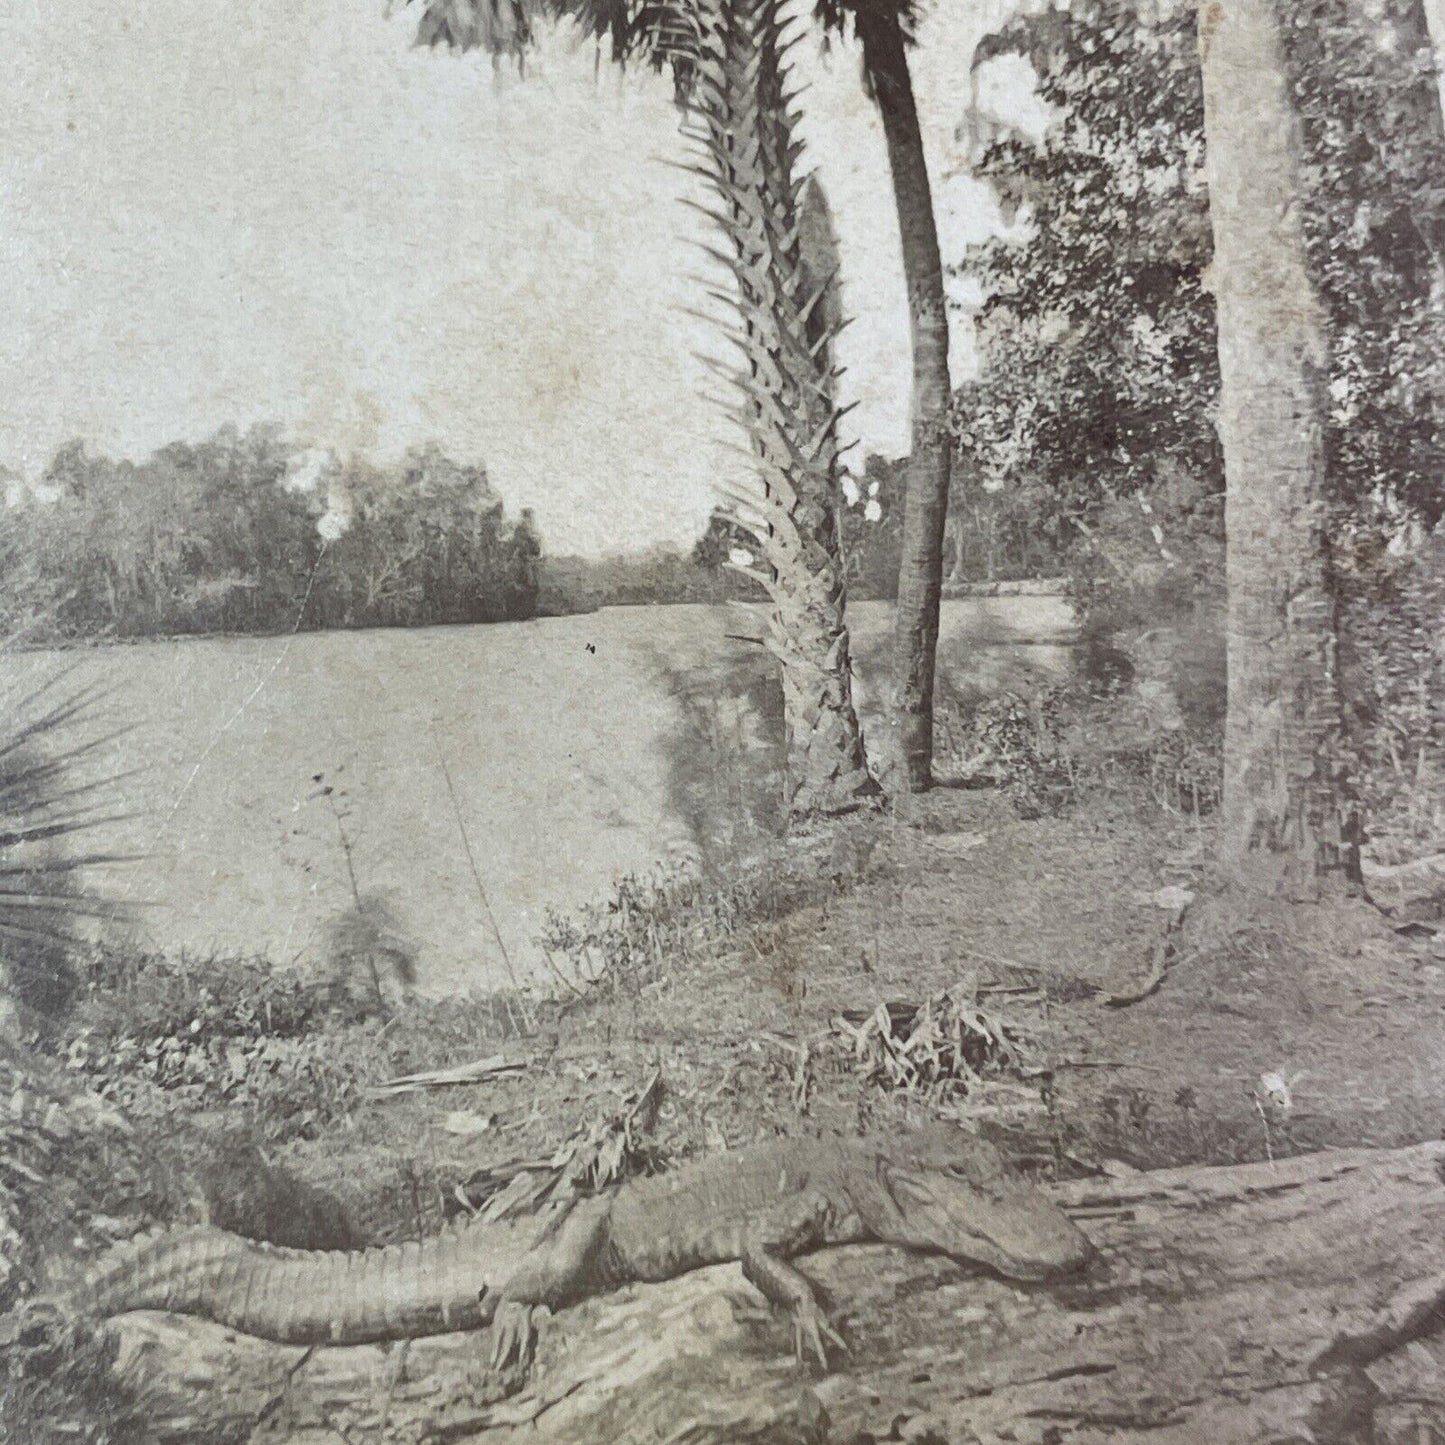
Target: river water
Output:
{"points": [[476, 775]]}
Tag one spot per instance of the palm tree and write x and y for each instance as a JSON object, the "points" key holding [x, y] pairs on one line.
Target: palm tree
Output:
{"points": [[1288, 810], [729, 62], [777, 246], [885, 29], [647, 29]]}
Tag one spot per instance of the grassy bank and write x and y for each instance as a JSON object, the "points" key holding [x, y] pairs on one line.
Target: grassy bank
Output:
{"points": [[954, 956]]}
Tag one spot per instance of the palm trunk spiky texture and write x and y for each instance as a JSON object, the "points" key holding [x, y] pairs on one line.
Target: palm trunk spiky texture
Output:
{"points": [[743, 124]]}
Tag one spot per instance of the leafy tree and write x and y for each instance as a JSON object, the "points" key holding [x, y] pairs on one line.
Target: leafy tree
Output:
{"points": [[1100, 372], [233, 549], [422, 545], [524, 573], [1363, 80], [219, 536], [1101, 314], [1100, 378]]}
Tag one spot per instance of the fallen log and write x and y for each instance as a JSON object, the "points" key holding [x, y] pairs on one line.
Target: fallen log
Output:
{"points": [[1250, 1303]]}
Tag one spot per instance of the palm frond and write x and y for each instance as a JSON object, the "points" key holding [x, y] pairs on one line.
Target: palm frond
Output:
{"points": [[652, 31], [497, 27], [52, 788]]}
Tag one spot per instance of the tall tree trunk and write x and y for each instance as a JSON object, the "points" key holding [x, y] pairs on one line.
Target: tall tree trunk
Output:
{"points": [[1419, 29], [907, 754], [1434, 15], [1288, 809], [744, 129]]}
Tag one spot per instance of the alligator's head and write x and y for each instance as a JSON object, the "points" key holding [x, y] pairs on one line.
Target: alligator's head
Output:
{"points": [[944, 1191]]}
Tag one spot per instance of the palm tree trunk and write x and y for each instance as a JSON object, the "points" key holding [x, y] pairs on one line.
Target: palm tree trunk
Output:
{"points": [[907, 754], [744, 133], [1288, 810]]}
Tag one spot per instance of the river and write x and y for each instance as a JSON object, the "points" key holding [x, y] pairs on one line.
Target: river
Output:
{"points": [[476, 775]]}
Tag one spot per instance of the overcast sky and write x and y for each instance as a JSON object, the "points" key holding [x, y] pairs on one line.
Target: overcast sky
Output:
{"points": [[280, 210]]}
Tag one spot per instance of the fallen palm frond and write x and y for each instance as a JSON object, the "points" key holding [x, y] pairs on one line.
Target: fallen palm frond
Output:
{"points": [[478, 1071], [948, 1043], [615, 1147], [601, 1154]]}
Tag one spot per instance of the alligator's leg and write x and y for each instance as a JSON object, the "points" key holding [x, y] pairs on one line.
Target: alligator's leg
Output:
{"points": [[785, 1287], [764, 1255], [563, 1268], [514, 1334]]}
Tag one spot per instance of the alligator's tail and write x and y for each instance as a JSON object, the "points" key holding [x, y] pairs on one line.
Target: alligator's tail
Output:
{"points": [[299, 1296]]}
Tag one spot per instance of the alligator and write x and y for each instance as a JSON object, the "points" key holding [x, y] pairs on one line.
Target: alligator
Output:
{"points": [[936, 1190]]}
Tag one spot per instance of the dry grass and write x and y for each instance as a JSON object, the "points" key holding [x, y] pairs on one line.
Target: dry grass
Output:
{"points": [[948, 1044]]}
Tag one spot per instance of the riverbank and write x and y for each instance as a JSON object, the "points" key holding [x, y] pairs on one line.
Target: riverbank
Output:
{"points": [[755, 1002], [466, 778]]}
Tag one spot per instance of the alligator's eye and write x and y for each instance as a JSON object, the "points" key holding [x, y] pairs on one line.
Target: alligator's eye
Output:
{"points": [[962, 1173]]}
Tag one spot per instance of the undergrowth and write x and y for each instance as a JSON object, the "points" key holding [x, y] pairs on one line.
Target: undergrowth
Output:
{"points": [[1393, 656], [1147, 1130], [1048, 751], [672, 920], [153, 1033], [289, 1055], [61, 1390]]}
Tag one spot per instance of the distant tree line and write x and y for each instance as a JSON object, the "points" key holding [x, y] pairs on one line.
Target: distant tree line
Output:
{"points": [[655, 576], [237, 534]]}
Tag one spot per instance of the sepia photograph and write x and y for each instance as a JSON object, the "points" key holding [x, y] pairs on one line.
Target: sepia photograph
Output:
{"points": [[722, 722]]}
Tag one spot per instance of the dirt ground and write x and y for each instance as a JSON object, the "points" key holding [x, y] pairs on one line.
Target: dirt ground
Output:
{"points": [[1322, 1032], [1315, 1027]]}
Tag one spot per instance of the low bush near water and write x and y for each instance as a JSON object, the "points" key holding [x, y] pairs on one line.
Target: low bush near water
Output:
{"points": [[224, 1032], [664, 921]]}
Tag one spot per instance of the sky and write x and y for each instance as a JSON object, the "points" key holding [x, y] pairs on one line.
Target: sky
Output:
{"points": [[283, 211]]}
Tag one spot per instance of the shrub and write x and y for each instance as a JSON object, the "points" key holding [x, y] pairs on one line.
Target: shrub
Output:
{"points": [[657, 923], [1393, 649], [45, 802], [61, 1388], [231, 1031]]}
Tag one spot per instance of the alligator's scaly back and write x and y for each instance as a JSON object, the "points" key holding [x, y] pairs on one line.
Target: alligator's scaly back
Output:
{"points": [[936, 1190], [401, 1291]]}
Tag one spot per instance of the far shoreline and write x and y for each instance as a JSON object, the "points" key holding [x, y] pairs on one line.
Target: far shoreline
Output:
{"points": [[952, 592]]}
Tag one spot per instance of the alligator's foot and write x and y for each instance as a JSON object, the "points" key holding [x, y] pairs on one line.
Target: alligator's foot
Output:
{"points": [[813, 1331], [32, 1322], [781, 1284], [514, 1334]]}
